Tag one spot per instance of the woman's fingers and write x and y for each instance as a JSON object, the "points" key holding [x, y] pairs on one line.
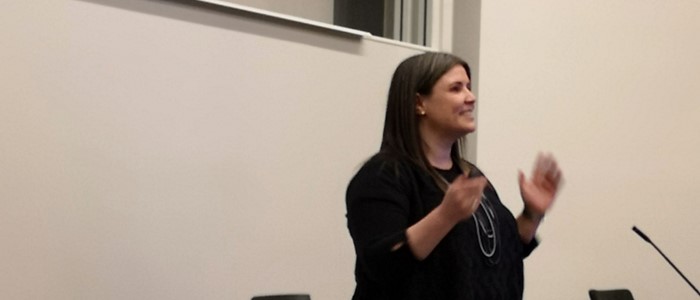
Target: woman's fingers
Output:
{"points": [[465, 193], [475, 190], [476, 203], [552, 172], [546, 170]]}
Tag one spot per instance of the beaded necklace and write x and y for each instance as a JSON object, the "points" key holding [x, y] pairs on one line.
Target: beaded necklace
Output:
{"points": [[486, 224], [486, 227]]}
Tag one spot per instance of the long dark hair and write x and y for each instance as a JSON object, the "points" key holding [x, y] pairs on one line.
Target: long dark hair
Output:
{"points": [[416, 75]]}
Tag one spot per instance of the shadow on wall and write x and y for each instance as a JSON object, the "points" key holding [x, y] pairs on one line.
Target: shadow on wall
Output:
{"points": [[231, 19]]}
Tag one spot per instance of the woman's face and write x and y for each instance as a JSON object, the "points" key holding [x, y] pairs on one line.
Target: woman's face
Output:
{"points": [[449, 109]]}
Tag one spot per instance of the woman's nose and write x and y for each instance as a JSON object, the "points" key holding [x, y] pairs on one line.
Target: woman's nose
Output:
{"points": [[470, 97]]}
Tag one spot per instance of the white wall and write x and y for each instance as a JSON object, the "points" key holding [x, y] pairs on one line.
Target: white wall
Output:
{"points": [[610, 87], [151, 150]]}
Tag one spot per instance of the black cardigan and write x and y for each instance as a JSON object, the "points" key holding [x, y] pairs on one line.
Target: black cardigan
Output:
{"points": [[388, 195]]}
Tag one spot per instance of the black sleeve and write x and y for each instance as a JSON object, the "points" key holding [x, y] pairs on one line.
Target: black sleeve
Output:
{"points": [[529, 247], [378, 215]]}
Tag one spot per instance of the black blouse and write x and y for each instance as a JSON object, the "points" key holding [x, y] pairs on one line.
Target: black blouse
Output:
{"points": [[388, 195]]}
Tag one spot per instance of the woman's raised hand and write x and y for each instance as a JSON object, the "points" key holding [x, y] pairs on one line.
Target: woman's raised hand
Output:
{"points": [[539, 191], [463, 197]]}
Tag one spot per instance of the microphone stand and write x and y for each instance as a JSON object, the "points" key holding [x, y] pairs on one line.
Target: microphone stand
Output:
{"points": [[648, 240]]}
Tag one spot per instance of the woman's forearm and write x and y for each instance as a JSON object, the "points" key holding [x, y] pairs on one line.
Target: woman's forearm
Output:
{"points": [[527, 226], [425, 235]]}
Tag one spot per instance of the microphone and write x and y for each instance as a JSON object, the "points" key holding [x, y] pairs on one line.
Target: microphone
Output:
{"points": [[644, 236], [648, 240]]}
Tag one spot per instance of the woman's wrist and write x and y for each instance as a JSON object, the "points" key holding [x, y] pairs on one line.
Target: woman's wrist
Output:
{"points": [[447, 215], [535, 217], [528, 222]]}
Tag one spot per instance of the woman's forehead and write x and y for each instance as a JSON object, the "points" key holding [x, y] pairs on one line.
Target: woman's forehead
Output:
{"points": [[455, 74]]}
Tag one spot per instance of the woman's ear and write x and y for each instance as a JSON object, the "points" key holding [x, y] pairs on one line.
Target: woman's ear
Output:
{"points": [[420, 105]]}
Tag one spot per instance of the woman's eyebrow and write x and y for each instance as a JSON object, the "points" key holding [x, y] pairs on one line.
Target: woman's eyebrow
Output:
{"points": [[460, 82]]}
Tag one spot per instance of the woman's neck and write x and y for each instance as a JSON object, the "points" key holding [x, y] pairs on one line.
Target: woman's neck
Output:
{"points": [[438, 151]]}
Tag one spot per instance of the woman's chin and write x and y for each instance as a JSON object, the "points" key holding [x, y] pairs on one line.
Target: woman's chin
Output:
{"points": [[469, 128]]}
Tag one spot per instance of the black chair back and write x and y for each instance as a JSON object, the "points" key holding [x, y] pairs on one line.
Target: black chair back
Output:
{"points": [[284, 297], [618, 294]]}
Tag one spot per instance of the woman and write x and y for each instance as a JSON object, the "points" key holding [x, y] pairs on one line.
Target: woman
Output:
{"points": [[426, 224]]}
